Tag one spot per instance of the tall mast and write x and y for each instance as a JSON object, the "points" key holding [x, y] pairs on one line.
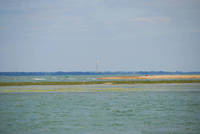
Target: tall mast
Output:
{"points": [[97, 65]]}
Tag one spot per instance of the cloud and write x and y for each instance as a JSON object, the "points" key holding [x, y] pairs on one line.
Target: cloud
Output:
{"points": [[151, 19]]}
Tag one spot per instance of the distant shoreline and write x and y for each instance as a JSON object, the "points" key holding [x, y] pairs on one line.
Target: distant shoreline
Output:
{"points": [[149, 77], [99, 82]]}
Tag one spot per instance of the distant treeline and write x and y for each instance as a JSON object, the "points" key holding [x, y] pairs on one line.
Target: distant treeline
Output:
{"points": [[92, 73], [59, 73]]}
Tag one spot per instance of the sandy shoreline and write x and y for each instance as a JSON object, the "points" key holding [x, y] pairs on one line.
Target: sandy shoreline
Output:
{"points": [[152, 77], [142, 81]]}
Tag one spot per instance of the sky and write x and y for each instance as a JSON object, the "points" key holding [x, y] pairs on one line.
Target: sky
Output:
{"points": [[124, 35]]}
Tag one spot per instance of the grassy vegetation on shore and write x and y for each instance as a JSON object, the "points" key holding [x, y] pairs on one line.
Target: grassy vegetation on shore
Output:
{"points": [[97, 82]]}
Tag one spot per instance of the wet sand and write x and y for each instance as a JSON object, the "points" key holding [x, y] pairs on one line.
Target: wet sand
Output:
{"points": [[153, 77]]}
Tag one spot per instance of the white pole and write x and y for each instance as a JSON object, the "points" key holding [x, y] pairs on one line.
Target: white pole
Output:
{"points": [[97, 65]]}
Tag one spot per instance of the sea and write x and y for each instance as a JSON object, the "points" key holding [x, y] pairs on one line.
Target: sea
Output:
{"points": [[98, 109], [51, 78]]}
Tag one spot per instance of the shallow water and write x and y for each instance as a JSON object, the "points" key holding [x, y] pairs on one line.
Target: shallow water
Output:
{"points": [[153, 109], [54, 78]]}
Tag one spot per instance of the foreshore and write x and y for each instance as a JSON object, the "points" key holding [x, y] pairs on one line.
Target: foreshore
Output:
{"points": [[150, 77], [99, 82]]}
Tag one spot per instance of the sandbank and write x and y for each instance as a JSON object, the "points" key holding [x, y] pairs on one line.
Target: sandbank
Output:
{"points": [[149, 77], [105, 82]]}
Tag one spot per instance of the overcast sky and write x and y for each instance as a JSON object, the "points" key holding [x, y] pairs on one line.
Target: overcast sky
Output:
{"points": [[125, 35]]}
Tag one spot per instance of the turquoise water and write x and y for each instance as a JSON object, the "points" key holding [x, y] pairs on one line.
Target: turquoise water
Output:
{"points": [[155, 109], [53, 78], [48, 78]]}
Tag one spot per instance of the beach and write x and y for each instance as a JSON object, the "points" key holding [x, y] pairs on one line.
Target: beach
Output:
{"points": [[152, 77]]}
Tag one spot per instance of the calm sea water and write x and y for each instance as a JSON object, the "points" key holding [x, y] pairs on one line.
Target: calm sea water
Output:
{"points": [[154, 109], [53, 78]]}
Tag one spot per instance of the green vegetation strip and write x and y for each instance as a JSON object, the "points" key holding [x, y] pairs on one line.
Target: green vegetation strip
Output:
{"points": [[97, 82]]}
